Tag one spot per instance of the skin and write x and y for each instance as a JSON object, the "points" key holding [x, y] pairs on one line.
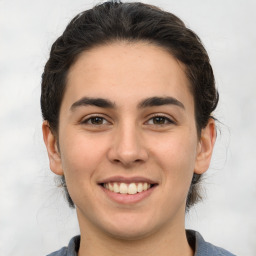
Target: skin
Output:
{"points": [[128, 140]]}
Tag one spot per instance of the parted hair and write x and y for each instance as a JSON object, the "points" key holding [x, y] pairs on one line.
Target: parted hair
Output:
{"points": [[115, 21]]}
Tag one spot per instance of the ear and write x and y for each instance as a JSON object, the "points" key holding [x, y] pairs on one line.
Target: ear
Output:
{"points": [[205, 147], [52, 149]]}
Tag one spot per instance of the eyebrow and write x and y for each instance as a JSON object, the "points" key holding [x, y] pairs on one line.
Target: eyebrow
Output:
{"points": [[105, 103], [98, 102], [160, 101]]}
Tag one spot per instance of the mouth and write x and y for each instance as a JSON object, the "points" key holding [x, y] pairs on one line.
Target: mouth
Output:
{"points": [[126, 190], [130, 188]]}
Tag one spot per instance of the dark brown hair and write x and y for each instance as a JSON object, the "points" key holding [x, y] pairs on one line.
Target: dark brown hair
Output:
{"points": [[117, 21]]}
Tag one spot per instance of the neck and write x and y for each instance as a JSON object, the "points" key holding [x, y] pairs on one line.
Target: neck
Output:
{"points": [[166, 242]]}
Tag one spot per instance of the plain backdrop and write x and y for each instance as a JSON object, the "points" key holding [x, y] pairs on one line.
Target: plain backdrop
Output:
{"points": [[34, 218]]}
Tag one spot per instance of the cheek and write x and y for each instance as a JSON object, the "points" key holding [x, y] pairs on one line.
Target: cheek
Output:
{"points": [[81, 154], [176, 155], [81, 158]]}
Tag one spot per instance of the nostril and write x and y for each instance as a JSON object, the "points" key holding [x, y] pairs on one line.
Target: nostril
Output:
{"points": [[127, 162]]}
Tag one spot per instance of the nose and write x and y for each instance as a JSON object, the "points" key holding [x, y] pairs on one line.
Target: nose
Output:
{"points": [[127, 147]]}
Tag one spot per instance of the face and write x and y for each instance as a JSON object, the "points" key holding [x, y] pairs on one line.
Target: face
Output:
{"points": [[128, 144]]}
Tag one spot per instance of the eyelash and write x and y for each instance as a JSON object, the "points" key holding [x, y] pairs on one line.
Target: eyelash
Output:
{"points": [[167, 120], [89, 120], [163, 117]]}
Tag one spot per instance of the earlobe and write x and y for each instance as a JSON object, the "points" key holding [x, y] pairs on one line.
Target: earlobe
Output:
{"points": [[205, 147], [52, 149]]}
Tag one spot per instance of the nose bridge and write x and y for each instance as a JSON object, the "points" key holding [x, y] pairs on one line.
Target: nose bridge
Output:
{"points": [[128, 146]]}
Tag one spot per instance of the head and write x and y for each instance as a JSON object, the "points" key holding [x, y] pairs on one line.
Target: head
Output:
{"points": [[132, 23]]}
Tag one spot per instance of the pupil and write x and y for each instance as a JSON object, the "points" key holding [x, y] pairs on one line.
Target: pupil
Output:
{"points": [[159, 120], [97, 120]]}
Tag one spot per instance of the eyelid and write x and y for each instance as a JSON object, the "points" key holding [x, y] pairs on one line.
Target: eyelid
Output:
{"points": [[170, 120], [87, 118]]}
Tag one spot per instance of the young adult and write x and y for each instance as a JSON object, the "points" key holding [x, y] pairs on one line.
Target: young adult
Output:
{"points": [[127, 99]]}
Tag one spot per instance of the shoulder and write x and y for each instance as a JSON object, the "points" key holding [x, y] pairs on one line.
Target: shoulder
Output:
{"points": [[71, 250], [203, 248], [61, 252]]}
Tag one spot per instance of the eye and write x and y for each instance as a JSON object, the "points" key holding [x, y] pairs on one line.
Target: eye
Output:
{"points": [[160, 120], [95, 120]]}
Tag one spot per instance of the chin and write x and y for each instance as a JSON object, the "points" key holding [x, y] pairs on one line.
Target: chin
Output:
{"points": [[133, 230]]}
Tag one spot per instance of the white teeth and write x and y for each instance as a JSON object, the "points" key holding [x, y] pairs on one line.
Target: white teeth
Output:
{"points": [[124, 188], [110, 187], [132, 189], [116, 188], [140, 187]]}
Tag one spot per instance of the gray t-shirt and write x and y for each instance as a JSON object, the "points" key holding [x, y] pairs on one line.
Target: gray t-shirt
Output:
{"points": [[195, 240]]}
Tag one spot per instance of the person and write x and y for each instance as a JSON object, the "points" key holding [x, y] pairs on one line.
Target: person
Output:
{"points": [[127, 99]]}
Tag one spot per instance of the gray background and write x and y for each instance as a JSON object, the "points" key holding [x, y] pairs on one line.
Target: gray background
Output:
{"points": [[34, 219]]}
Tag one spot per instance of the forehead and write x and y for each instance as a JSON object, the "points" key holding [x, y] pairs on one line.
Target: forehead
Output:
{"points": [[124, 70]]}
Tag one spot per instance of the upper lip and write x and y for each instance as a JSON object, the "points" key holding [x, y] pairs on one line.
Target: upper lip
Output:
{"points": [[123, 179]]}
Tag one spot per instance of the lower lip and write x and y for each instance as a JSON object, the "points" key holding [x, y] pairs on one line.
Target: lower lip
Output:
{"points": [[126, 198]]}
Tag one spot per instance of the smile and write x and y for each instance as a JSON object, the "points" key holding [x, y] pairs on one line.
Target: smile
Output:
{"points": [[127, 188]]}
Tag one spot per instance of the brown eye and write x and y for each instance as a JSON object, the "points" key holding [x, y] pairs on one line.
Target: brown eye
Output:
{"points": [[96, 120], [159, 120]]}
